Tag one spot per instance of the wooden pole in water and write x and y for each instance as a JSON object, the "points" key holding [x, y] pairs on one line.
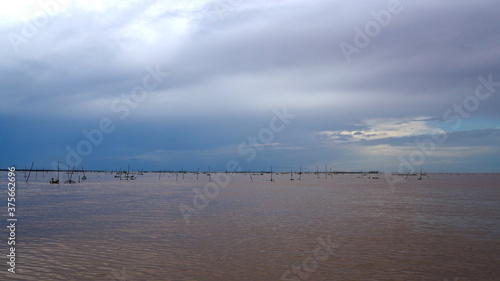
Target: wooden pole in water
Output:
{"points": [[271, 173], [84, 176], [300, 172], [250, 173], [33, 163], [71, 174]]}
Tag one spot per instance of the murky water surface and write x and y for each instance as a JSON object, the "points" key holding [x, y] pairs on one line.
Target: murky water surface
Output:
{"points": [[444, 227]]}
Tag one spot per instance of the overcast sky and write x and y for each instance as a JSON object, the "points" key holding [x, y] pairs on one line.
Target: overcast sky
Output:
{"points": [[383, 85]]}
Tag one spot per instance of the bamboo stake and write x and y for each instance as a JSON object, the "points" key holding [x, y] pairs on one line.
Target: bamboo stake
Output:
{"points": [[209, 175], [33, 163]]}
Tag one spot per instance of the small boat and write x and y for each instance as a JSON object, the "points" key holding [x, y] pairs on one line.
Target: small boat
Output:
{"points": [[53, 181], [70, 181]]}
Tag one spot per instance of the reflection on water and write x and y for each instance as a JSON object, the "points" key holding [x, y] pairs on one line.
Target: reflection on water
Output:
{"points": [[445, 227]]}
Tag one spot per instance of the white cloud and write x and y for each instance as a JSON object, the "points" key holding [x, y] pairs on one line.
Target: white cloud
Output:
{"points": [[13, 12], [441, 152], [381, 128]]}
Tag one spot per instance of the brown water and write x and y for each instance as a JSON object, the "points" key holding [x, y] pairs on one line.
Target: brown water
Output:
{"points": [[444, 227]]}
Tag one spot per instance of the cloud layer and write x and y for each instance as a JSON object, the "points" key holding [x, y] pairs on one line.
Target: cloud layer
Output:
{"points": [[424, 69]]}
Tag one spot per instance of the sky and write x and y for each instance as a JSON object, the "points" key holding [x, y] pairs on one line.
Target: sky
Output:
{"points": [[244, 85]]}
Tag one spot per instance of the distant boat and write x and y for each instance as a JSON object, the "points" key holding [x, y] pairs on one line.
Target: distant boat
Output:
{"points": [[53, 181], [70, 181], [128, 176]]}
